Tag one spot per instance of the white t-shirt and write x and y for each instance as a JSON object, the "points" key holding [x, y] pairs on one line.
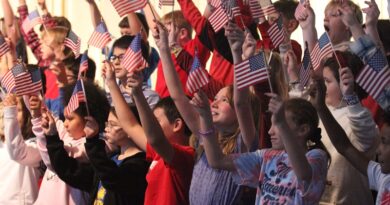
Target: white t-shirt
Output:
{"points": [[271, 172], [379, 182]]}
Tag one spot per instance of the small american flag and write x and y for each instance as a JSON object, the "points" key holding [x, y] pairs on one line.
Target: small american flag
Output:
{"points": [[162, 3], [218, 19], [4, 47], [256, 11], [251, 71], [8, 82], [133, 58], [124, 7], [100, 37], [77, 97], [375, 76], [198, 76], [300, 8], [73, 42], [26, 82], [83, 63], [231, 8], [321, 50], [304, 72], [276, 32], [268, 7], [32, 20]]}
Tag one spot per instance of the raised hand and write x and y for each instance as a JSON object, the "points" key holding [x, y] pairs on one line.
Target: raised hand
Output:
{"points": [[249, 46], [35, 106], [160, 35], [58, 68], [201, 104], [91, 128], [317, 92], [348, 16], [10, 100], [290, 60], [134, 82], [372, 13], [108, 73], [347, 81], [276, 107], [235, 36], [307, 17], [48, 124]]}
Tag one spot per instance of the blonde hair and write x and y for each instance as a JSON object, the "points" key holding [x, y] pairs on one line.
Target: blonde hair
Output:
{"points": [[59, 34], [277, 75], [355, 8], [179, 21]]}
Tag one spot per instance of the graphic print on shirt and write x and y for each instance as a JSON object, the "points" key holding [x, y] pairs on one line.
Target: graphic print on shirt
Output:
{"points": [[276, 186], [100, 195], [385, 200]]}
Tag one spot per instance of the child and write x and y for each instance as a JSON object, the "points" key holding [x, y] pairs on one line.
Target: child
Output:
{"points": [[20, 157], [377, 173], [210, 186], [163, 135], [119, 49]]}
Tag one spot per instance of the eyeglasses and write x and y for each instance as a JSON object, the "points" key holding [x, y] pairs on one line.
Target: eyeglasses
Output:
{"points": [[119, 57]]}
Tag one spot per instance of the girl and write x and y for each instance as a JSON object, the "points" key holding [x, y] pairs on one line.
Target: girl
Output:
{"points": [[210, 186], [117, 181], [20, 157]]}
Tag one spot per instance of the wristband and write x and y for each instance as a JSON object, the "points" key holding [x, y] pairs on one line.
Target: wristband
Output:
{"points": [[207, 133], [351, 99]]}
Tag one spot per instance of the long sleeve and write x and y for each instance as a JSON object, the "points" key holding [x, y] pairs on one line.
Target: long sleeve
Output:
{"points": [[41, 141], [364, 130], [24, 152], [113, 177], [74, 173]]}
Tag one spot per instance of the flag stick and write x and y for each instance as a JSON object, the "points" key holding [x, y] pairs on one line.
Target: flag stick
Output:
{"points": [[85, 95], [151, 9], [268, 68]]}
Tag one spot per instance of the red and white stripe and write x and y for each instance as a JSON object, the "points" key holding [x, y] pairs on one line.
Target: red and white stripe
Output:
{"points": [[124, 7], [374, 82], [218, 19]]}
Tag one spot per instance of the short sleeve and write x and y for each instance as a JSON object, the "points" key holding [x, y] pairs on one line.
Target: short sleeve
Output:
{"points": [[374, 174], [248, 167], [318, 161], [183, 156]]}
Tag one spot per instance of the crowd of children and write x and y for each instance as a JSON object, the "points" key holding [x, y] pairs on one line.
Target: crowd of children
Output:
{"points": [[315, 130]]}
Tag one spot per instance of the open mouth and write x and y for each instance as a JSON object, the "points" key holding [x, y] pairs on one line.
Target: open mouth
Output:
{"points": [[326, 28]]}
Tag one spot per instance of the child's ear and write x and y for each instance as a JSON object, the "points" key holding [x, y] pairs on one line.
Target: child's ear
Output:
{"points": [[184, 33], [178, 125]]}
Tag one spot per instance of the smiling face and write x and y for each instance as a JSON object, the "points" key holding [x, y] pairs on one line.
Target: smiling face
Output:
{"points": [[224, 116]]}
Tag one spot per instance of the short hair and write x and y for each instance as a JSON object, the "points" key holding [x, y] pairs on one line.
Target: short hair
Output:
{"points": [[98, 105], [179, 21], [355, 8], [74, 65], [171, 112], [133, 109], [124, 23], [286, 8], [124, 42]]}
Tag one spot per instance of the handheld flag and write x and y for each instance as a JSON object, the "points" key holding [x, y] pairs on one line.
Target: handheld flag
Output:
{"points": [[251, 71], [73, 42], [78, 96], [198, 76], [100, 37], [322, 49], [83, 63], [4, 47], [32, 20], [276, 32], [133, 58], [123, 7]]}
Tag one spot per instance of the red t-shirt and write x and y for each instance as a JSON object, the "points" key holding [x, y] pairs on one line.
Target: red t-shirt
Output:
{"points": [[182, 63], [169, 184]]}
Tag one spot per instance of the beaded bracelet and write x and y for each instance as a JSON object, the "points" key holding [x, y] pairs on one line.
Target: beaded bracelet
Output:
{"points": [[207, 133]]}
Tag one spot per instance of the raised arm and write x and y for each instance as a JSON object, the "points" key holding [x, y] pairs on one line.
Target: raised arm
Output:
{"points": [[25, 153], [242, 102], [126, 118], [152, 128], [372, 14], [8, 14], [296, 151], [151, 15], [216, 159], [335, 132], [175, 88], [307, 23], [96, 16]]}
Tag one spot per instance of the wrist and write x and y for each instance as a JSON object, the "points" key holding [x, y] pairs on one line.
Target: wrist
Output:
{"points": [[351, 99], [206, 133]]}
